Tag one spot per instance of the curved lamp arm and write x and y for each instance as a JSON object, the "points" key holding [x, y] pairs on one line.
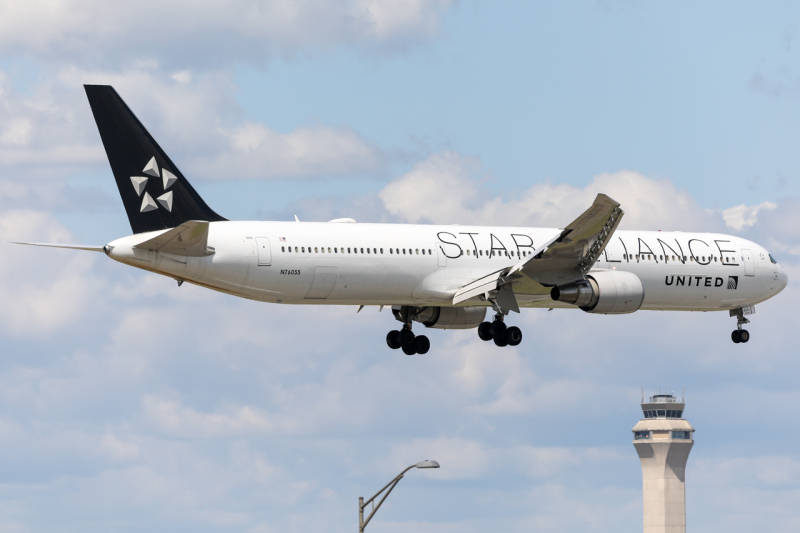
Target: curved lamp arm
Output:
{"points": [[391, 485]]}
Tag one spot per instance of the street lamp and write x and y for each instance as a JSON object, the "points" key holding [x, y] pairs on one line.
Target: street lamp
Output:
{"points": [[362, 504]]}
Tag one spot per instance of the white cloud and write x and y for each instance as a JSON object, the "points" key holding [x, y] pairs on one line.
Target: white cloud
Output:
{"points": [[50, 133], [177, 420], [119, 450], [450, 188], [255, 151], [43, 290], [740, 216], [213, 32]]}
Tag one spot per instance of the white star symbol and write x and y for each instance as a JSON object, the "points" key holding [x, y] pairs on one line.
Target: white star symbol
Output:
{"points": [[140, 183]]}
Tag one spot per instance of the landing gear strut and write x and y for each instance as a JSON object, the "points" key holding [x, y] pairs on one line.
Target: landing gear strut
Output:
{"points": [[499, 332], [740, 335], [407, 341]]}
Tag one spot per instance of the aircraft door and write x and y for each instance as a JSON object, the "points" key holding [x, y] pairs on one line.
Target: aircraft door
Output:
{"points": [[324, 281], [264, 251], [749, 267]]}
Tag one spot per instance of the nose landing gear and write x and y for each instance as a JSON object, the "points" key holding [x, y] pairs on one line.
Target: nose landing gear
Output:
{"points": [[740, 335], [406, 340], [499, 333]]}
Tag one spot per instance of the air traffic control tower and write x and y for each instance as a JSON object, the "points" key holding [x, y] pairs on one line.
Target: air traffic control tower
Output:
{"points": [[663, 440]]}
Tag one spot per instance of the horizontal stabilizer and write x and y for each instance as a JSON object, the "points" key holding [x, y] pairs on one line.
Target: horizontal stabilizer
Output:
{"points": [[190, 239], [67, 246]]}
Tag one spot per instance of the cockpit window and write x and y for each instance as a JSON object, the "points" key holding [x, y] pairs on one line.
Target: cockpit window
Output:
{"points": [[772, 259]]}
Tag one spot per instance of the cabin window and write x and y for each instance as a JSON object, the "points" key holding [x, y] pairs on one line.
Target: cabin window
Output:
{"points": [[404, 251], [381, 251], [362, 250], [367, 251], [391, 250], [374, 250], [282, 250], [637, 256], [417, 250], [429, 252], [691, 258], [303, 249], [467, 252]]}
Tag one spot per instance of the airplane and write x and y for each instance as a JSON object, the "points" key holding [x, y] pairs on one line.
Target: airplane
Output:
{"points": [[442, 276]]}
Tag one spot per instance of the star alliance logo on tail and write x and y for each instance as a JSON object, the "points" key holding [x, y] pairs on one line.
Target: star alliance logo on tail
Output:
{"points": [[140, 183], [733, 282]]}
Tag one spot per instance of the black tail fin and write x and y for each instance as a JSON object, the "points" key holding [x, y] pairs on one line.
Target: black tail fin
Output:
{"points": [[155, 193]]}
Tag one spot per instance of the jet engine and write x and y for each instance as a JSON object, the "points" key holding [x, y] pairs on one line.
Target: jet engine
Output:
{"points": [[443, 317], [612, 292]]}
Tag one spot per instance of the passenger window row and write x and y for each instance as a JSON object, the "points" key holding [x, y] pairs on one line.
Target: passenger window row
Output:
{"points": [[392, 251], [354, 250], [702, 258]]}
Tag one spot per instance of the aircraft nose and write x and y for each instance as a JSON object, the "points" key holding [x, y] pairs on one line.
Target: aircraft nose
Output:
{"points": [[783, 279]]}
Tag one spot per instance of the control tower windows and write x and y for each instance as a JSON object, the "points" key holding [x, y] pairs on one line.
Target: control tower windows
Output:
{"points": [[662, 413], [682, 435], [641, 435]]}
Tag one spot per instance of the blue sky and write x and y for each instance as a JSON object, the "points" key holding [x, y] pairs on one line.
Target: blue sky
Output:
{"points": [[127, 404]]}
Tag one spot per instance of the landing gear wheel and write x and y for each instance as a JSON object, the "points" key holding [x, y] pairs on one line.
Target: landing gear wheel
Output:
{"points": [[406, 338], [422, 344], [513, 336], [744, 335], [409, 350], [393, 339], [484, 331], [501, 341], [735, 336], [498, 330]]}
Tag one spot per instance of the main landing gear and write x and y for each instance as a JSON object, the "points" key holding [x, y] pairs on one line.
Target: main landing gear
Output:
{"points": [[499, 333], [740, 335], [408, 342]]}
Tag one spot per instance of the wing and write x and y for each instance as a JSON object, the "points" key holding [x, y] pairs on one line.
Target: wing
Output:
{"points": [[190, 239], [572, 253], [565, 257]]}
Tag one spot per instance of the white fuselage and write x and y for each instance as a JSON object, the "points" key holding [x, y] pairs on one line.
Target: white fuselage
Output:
{"points": [[403, 264]]}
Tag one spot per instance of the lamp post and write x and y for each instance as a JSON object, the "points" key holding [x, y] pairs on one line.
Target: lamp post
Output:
{"points": [[362, 524]]}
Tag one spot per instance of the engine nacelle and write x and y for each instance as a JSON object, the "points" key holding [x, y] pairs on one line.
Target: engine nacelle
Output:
{"points": [[611, 292], [451, 317]]}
